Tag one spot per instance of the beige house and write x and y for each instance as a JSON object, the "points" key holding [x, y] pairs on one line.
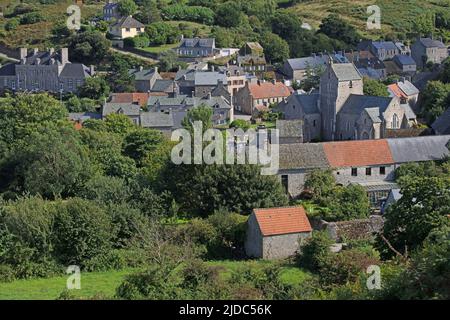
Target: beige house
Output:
{"points": [[127, 27]]}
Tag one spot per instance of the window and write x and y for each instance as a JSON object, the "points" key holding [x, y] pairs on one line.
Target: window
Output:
{"points": [[127, 29], [368, 171], [314, 123], [395, 122], [351, 84], [354, 172], [382, 170], [285, 182]]}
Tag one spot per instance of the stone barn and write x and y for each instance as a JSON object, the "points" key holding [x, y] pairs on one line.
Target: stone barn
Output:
{"points": [[276, 233]]}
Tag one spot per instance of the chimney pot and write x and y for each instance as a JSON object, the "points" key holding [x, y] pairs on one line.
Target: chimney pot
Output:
{"points": [[23, 53], [35, 51]]}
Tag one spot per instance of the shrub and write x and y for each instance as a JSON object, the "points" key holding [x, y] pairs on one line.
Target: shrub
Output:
{"points": [[12, 24], [6, 273], [140, 41], [316, 251], [189, 13], [31, 18]]}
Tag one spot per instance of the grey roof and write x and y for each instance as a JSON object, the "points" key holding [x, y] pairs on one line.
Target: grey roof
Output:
{"points": [[144, 74], [409, 113], [386, 45], [302, 156], [308, 102], [442, 124], [290, 128], [128, 109], [83, 116], [198, 42], [304, 63], [431, 43], [355, 104], [156, 120], [162, 85], [209, 78], [179, 100], [408, 88], [188, 73], [428, 148], [404, 60], [213, 102], [74, 70], [346, 71], [128, 22], [374, 114], [178, 117], [395, 194], [110, 5], [251, 59], [8, 70]]}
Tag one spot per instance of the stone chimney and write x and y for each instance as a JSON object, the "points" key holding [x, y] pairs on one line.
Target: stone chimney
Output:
{"points": [[209, 95], [156, 70], [141, 68], [91, 70], [35, 51], [23, 53], [51, 51], [64, 56], [38, 61], [193, 94]]}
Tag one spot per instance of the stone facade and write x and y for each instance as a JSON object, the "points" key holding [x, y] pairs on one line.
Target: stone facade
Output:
{"points": [[44, 71], [426, 49]]}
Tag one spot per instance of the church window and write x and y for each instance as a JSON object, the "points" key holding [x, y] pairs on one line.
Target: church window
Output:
{"points": [[395, 122]]}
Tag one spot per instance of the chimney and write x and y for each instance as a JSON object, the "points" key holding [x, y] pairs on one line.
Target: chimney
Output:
{"points": [[91, 70], [274, 81], [209, 95], [64, 56], [193, 94], [38, 61], [35, 51], [212, 68], [23, 53], [156, 70], [51, 51], [141, 68]]}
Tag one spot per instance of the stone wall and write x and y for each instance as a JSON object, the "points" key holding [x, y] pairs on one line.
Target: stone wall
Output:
{"points": [[283, 246]]}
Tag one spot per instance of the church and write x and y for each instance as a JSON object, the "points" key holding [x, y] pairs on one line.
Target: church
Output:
{"points": [[341, 111]]}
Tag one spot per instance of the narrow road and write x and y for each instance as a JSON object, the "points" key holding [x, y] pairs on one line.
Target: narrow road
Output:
{"points": [[134, 55]]}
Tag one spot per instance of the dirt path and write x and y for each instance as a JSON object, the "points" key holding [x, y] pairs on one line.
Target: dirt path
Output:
{"points": [[134, 55]]}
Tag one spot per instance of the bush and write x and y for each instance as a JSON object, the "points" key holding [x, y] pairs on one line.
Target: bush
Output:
{"points": [[12, 24], [6, 273], [82, 231], [31, 18], [162, 33], [140, 41], [316, 251], [189, 13]]}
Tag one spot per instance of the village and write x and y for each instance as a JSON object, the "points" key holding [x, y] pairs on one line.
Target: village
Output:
{"points": [[354, 128]]}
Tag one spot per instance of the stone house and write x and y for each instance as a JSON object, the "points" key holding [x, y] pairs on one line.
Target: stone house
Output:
{"points": [[44, 71], [140, 98], [303, 107], [236, 78], [369, 163], [126, 27], [384, 50], [197, 47], [144, 79], [256, 97], [405, 91], [426, 50], [130, 110], [205, 82], [111, 11], [367, 64], [251, 58], [276, 233], [405, 63]]}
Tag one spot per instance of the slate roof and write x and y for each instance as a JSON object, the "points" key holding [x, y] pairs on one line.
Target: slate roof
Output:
{"points": [[346, 71], [198, 42], [83, 116], [408, 88], [279, 221], [409, 113], [140, 98], [355, 104], [127, 109], [75, 70], [179, 100], [304, 63], [263, 90], [128, 22], [251, 60], [417, 149], [156, 120], [144, 74], [404, 60], [209, 78], [442, 124], [357, 153], [302, 156], [386, 45], [110, 5], [8, 70], [290, 128], [189, 74], [162, 85], [431, 43], [308, 102]]}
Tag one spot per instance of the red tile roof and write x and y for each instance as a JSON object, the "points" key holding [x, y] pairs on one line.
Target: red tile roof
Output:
{"points": [[264, 90], [397, 91], [277, 221], [134, 97], [358, 153]]}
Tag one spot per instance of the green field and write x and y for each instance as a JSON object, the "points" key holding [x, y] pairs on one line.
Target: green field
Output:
{"points": [[104, 284]]}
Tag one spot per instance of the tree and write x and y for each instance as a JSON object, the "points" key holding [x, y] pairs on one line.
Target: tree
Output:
{"points": [[275, 48], [348, 203], [201, 113], [334, 27], [374, 88], [27, 113], [321, 183], [88, 47], [140, 143], [423, 207], [445, 73], [120, 80], [240, 123], [127, 7], [149, 12], [94, 88], [229, 14], [162, 33], [435, 100], [52, 164]]}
